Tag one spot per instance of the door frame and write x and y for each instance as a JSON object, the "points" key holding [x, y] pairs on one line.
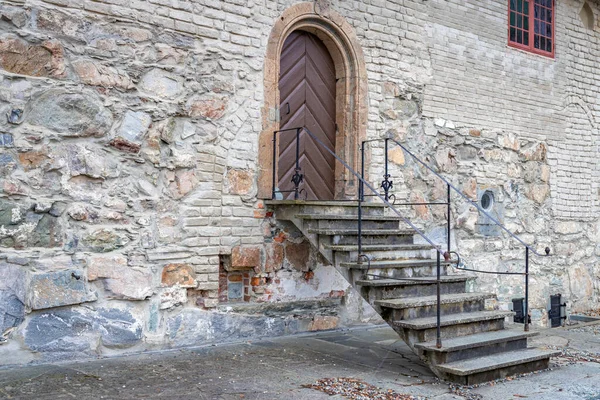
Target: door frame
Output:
{"points": [[351, 91]]}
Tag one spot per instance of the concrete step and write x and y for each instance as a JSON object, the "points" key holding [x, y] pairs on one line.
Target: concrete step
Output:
{"points": [[369, 236], [394, 264], [480, 339], [287, 208], [365, 232], [496, 366], [323, 203], [349, 217], [379, 247], [426, 306], [424, 301], [383, 289], [427, 280], [419, 330], [399, 268], [478, 345], [343, 221]]}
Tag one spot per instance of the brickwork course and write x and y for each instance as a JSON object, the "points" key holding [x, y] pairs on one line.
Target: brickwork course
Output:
{"points": [[132, 180]]}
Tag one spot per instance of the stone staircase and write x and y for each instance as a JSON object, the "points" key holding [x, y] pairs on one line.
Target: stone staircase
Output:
{"points": [[476, 346]]}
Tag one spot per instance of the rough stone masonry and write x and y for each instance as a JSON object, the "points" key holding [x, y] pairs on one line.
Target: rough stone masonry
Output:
{"points": [[129, 209]]}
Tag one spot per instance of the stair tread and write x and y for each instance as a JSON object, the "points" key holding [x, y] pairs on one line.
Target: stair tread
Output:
{"points": [[351, 217], [325, 203], [452, 319], [365, 232], [394, 264], [496, 361], [476, 340], [375, 247], [407, 302], [412, 281]]}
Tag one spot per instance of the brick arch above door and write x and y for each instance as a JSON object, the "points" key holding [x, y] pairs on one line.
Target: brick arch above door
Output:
{"points": [[351, 90]]}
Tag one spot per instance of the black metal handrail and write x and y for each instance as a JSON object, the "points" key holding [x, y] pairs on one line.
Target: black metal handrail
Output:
{"points": [[385, 186], [363, 183]]}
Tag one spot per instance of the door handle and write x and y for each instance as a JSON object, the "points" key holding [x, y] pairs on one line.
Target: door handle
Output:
{"points": [[288, 108]]}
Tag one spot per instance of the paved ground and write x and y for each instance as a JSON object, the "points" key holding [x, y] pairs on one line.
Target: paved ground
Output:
{"points": [[278, 369]]}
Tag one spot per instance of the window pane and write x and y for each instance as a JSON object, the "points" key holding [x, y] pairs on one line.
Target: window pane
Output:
{"points": [[513, 19], [526, 23], [549, 45], [526, 39], [513, 34], [519, 36], [536, 26], [519, 21], [542, 43], [526, 8], [549, 16], [513, 5], [520, 5], [543, 18], [536, 41], [548, 30]]}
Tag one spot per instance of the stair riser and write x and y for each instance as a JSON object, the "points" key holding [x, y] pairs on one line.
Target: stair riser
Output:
{"points": [[497, 373], [481, 351], [411, 336], [384, 293], [408, 272], [352, 224], [372, 239], [431, 311]]}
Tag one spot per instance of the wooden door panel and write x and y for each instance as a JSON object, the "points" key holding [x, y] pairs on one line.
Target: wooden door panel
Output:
{"points": [[307, 99]]}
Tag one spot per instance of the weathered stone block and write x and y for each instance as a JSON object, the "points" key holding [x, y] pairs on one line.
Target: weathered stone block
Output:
{"points": [[122, 281], [323, 322], [161, 83], [172, 297], [298, 255], [178, 274], [132, 131], [240, 181], [47, 233], [13, 283], [95, 74], [245, 257], [58, 288], [19, 57], [274, 254], [104, 240], [71, 330], [209, 107], [70, 114]]}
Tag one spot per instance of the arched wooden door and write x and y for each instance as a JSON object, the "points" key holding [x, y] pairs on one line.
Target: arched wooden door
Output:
{"points": [[307, 99]]}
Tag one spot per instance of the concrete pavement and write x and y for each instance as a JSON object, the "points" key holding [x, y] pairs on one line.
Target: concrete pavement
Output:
{"points": [[279, 368]]}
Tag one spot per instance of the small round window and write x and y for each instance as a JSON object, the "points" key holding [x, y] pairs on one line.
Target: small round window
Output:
{"points": [[487, 200]]}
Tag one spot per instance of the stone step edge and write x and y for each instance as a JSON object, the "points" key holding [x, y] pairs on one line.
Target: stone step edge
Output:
{"points": [[476, 340], [347, 217], [323, 203], [411, 302], [496, 361], [365, 232], [378, 247], [452, 319], [421, 280], [400, 263]]}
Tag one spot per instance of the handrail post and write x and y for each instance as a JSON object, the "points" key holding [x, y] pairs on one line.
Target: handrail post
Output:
{"points": [[448, 219], [386, 184], [438, 343], [526, 289], [361, 197], [297, 178], [274, 165]]}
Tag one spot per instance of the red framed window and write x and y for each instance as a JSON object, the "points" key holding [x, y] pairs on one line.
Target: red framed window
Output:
{"points": [[531, 25]]}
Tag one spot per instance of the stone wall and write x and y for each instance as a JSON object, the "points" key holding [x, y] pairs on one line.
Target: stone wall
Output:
{"points": [[129, 216]]}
